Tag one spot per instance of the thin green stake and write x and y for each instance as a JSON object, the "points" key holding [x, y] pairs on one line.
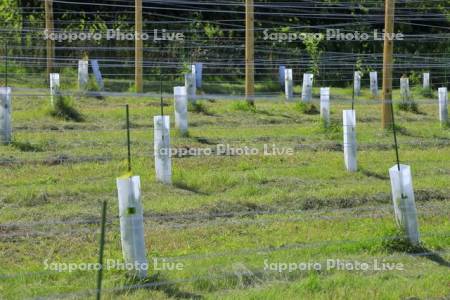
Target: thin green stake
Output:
{"points": [[100, 255], [6, 65], [127, 112], [353, 90]]}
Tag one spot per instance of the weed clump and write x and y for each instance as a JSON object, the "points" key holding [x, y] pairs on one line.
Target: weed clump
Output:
{"points": [[397, 241], [307, 108], [410, 106], [426, 92], [244, 106], [26, 146], [330, 128], [64, 108], [94, 89], [197, 107]]}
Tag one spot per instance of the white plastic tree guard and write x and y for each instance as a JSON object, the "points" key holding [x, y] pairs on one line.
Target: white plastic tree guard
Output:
{"points": [[83, 74], [404, 203], [374, 83], [443, 105], [132, 224], [181, 109], [404, 89], [163, 163], [281, 70], [357, 83], [97, 74], [325, 105], [54, 87], [191, 88], [5, 115], [426, 80], [308, 79], [350, 146], [197, 70], [288, 84]]}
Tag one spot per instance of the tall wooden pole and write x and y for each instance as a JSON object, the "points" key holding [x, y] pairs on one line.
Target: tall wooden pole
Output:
{"points": [[249, 52], [49, 26], [386, 105], [139, 48]]}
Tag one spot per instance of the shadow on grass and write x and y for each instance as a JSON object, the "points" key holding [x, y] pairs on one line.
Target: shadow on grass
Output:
{"points": [[402, 130], [399, 242], [26, 146], [157, 283], [184, 186], [200, 108], [369, 173], [307, 108], [409, 106], [64, 109], [204, 140], [435, 257]]}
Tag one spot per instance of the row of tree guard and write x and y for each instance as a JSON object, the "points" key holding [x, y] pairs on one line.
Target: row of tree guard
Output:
{"points": [[128, 186], [83, 76], [400, 176], [286, 81]]}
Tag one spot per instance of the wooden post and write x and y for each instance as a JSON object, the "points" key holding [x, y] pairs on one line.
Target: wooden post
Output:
{"points": [[49, 26], [139, 49], [386, 105], [249, 52]]}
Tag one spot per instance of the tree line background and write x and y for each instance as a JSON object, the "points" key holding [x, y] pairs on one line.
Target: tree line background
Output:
{"points": [[214, 34]]}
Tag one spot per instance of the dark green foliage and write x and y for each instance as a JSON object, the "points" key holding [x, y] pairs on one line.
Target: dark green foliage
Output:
{"points": [[397, 241], [409, 106], [244, 106], [27, 146], [332, 130], [64, 109], [427, 92], [197, 107], [307, 108]]}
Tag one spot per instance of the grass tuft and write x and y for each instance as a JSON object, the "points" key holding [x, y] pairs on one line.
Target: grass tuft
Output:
{"points": [[330, 127], [94, 89], [198, 107], [307, 108], [244, 106], [180, 134], [64, 109], [409, 106], [397, 241], [27, 146], [425, 92]]}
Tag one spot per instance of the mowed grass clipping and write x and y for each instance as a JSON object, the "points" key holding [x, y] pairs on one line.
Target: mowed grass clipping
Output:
{"points": [[226, 216]]}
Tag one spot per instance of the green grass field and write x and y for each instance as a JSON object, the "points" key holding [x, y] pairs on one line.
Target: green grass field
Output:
{"points": [[226, 216]]}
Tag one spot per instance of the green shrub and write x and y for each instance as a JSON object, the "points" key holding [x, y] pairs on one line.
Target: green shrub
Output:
{"points": [[69, 78], [307, 108], [410, 106], [331, 127], [94, 88], [63, 108], [131, 88], [426, 92], [26, 146], [397, 241], [198, 107], [244, 106]]}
